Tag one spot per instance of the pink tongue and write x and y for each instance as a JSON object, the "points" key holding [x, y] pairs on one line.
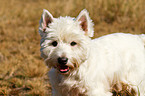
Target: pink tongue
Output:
{"points": [[63, 68]]}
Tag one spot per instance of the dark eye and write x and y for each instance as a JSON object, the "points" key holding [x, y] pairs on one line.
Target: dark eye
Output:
{"points": [[54, 43], [73, 43]]}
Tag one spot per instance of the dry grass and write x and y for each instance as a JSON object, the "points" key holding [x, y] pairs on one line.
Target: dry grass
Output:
{"points": [[22, 71], [121, 89]]}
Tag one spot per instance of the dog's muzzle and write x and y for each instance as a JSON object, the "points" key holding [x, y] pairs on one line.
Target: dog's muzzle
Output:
{"points": [[62, 67]]}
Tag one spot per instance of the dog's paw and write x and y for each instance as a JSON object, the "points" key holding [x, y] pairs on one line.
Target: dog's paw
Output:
{"points": [[123, 89]]}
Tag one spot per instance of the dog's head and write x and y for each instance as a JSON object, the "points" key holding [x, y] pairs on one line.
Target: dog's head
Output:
{"points": [[65, 40]]}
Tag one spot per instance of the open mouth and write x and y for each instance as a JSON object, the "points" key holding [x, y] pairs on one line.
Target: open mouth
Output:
{"points": [[63, 69]]}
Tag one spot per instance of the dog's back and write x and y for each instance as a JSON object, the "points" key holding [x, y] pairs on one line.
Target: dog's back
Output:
{"points": [[124, 58]]}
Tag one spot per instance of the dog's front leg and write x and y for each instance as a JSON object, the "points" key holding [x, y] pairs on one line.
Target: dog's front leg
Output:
{"points": [[101, 90], [98, 92]]}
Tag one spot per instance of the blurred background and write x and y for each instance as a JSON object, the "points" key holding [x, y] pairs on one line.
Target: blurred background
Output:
{"points": [[22, 71]]}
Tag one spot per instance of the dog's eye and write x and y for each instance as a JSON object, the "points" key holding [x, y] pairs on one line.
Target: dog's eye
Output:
{"points": [[54, 43], [73, 43]]}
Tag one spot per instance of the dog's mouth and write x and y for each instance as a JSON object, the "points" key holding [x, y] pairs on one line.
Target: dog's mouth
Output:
{"points": [[63, 69]]}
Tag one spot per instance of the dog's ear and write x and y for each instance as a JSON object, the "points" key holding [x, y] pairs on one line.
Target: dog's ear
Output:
{"points": [[46, 19], [86, 23]]}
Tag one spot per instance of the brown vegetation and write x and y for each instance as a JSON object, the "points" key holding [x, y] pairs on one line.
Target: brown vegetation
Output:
{"points": [[122, 89], [22, 71]]}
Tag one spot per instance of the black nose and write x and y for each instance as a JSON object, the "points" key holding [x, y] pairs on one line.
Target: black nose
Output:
{"points": [[62, 60]]}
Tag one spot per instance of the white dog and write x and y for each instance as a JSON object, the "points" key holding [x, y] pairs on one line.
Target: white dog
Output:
{"points": [[84, 67]]}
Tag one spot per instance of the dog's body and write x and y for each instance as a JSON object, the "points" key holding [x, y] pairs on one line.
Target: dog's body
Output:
{"points": [[85, 67]]}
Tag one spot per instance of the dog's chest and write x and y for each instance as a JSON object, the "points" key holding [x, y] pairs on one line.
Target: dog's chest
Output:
{"points": [[73, 87], [73, 91]]}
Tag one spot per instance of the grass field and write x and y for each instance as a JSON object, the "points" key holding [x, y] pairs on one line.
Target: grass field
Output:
{"points": [[22, 71]]}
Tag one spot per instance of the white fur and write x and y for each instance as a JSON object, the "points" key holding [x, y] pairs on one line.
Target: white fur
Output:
{"points": [[96, 64]]}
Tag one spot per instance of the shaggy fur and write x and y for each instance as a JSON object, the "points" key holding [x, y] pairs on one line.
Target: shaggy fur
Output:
{"points": [[84, 67]]}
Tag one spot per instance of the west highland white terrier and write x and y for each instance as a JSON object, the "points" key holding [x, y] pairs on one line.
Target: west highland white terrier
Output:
{"points": [[81, 66]]}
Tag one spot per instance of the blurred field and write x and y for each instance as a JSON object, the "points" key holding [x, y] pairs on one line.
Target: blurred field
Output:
{"points": [[22, 71]]}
